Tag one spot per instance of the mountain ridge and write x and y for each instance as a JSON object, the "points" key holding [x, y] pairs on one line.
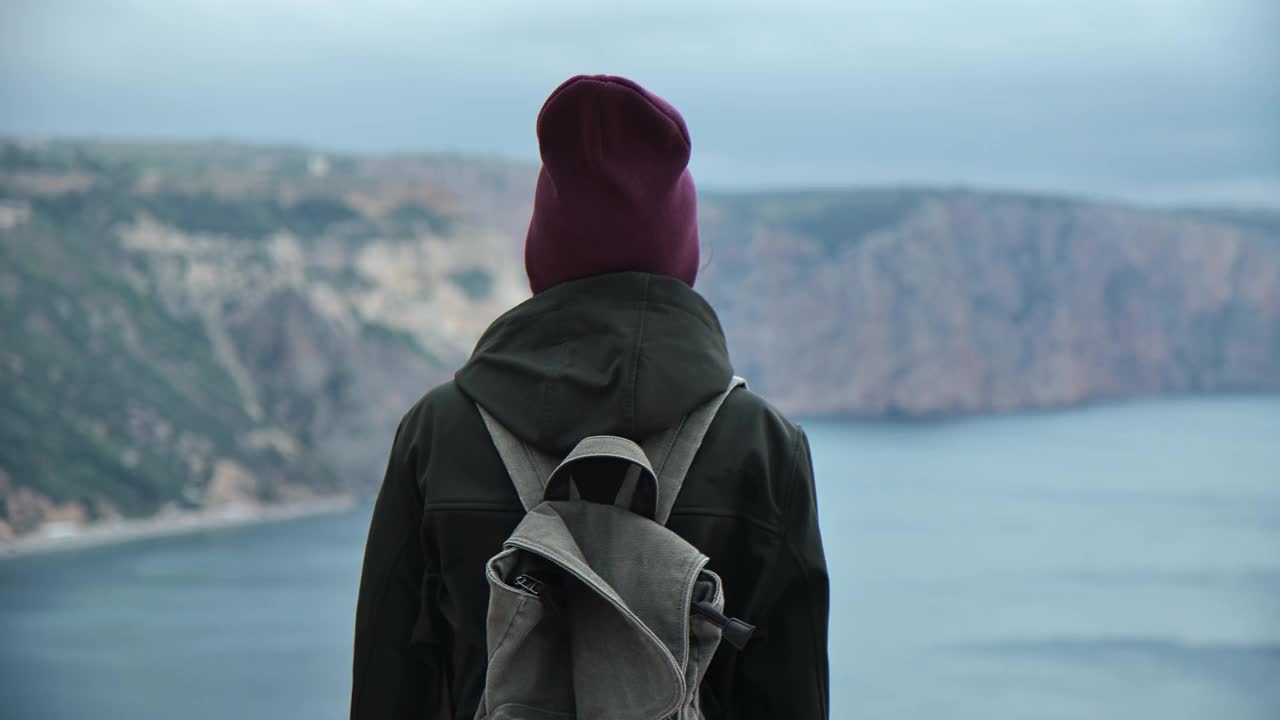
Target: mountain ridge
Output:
{"points": [[210, 325]]}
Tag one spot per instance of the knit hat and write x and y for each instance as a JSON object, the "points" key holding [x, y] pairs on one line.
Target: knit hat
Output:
{"points": [[614, 193]]}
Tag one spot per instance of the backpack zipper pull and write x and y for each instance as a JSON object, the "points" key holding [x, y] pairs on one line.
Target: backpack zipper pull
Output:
{"points": [[734, 631]]}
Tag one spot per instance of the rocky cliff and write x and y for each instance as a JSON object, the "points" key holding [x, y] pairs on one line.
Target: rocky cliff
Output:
{"points": [[202, 325], [942, 303]]}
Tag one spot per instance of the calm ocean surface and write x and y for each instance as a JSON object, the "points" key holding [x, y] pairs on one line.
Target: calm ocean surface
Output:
{"points": [[1120, 562]]}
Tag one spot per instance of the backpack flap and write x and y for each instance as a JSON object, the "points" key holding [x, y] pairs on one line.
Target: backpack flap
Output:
{"points": [[607, 615]]}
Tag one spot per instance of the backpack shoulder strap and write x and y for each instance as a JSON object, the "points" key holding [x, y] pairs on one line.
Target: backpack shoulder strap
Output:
{"points": [[673, 451], [528, 467]]}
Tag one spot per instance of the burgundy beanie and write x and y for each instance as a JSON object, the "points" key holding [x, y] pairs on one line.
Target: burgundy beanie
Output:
{"points": [[614, 193]]}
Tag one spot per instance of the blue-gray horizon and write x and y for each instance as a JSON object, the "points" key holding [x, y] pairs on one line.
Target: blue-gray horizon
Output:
{"points": [[1172, 102]]}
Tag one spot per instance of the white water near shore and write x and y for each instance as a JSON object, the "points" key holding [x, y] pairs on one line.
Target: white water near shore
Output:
{"points": [[54, 537]]}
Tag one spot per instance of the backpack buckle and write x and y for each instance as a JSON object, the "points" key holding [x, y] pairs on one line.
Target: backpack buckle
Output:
{"points": [[529, 584]]}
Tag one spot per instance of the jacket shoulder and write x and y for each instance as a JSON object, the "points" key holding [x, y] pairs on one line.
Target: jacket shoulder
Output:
{"points": [[748, 464], [443, 403], [744, 410], [442, 418], [444, 440]]}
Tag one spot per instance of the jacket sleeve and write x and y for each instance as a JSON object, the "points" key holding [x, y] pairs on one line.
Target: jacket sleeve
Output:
{"points": [[786, 674], [396, 672]]}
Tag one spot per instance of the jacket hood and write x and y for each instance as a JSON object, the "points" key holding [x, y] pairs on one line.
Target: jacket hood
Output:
{"points": [[627, 354]]}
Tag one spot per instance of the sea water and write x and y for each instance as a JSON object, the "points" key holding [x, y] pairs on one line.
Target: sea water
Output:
{"points": [[1118, 562]]}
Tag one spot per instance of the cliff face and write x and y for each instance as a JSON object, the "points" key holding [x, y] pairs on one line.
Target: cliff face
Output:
{"points": [[192, 325], [196, 326], [947, 303]]}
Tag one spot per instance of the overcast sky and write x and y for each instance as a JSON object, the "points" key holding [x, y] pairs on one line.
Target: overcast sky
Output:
{"points": [[1149, 100]]}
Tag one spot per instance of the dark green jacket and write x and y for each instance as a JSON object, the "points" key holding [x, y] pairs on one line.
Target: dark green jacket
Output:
{"points": [[625, 354]]}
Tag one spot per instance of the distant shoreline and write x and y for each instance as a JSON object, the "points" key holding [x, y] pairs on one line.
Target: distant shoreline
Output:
{"points": [[57, 537]]}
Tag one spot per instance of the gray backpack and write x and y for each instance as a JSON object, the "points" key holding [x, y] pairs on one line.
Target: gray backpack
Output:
{"points": [[596, 609]]}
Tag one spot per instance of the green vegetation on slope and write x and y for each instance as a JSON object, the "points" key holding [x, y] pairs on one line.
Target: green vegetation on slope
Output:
{"points": [[836, 219], [86, 395]]}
